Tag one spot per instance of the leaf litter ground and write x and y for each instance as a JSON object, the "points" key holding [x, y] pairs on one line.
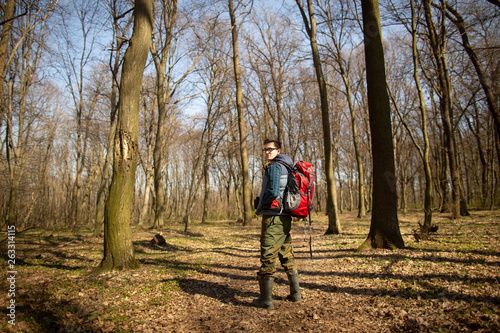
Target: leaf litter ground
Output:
{"points": [[205, 280]]}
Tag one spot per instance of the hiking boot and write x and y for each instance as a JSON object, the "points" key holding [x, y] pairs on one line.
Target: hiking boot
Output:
{"points": [[293, 278], [265, 300]]}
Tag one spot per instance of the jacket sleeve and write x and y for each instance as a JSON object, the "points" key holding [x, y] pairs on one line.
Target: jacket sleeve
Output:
{"points": [[273, 187]]}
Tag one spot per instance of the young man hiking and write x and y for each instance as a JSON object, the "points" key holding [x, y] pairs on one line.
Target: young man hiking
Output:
{"points": [[275, 239]]}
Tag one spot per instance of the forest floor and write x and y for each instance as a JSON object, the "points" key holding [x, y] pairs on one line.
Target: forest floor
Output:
{"points": [[205, 281]]}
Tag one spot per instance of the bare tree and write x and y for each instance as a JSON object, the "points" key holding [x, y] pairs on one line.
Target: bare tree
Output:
{"points": [[8, 20], [425, 151], [343, 68], [24, 62], [76, 56], [457, 19], [118, 248], [146, 133], [115, 58], [214, 77], [384, 227], [331, 205], [167, 14], [437, 41], [166, 57], [275, 56], [247, 207]]}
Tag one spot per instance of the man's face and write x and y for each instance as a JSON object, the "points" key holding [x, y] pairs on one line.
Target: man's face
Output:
{"points": [[271, 151]]}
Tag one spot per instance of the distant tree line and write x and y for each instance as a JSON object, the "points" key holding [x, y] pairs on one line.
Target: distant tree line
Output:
{"points": [[220, 77]]}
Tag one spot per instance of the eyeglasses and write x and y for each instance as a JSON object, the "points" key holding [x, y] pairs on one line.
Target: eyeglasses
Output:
{"points": [[268, 150]]}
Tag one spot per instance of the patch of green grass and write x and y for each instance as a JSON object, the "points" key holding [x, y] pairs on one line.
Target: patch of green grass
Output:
{"points": [[200, 262], [145, 290], [101, 286], [157, 301], [171, 285]]}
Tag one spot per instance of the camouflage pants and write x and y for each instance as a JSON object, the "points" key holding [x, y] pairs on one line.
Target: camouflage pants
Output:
{"points": [[275, 241]]}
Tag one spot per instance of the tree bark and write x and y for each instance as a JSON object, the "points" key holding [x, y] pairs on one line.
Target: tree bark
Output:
{"points": [[145, 209], [457, 19], [114, 64], [168, 14], [247, 207], [334, 226], [8, 13], [428, 198], [384, 227], [438, 44], [118, 248], [207, 158], [19, 145], [424, 153], [344, 71]]}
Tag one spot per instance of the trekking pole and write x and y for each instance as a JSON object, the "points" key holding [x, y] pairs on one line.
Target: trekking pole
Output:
{"points": [[310, 236], [309, 208], [305, 230]]}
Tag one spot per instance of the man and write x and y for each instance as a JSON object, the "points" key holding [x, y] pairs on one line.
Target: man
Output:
{"points": [[275, 240]]}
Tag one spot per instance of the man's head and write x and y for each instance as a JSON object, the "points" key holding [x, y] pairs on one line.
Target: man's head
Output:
{"points": [[271, 148]]}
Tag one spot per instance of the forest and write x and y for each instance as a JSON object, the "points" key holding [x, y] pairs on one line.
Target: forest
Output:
{"points": [[121, 119]]}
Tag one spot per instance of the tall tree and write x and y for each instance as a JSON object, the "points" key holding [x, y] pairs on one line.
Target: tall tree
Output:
{"points": [[118, 248], [247, 207], [167, 14], [331, 187], [115, 58], [423, 152], [8, 20], [75, 64], [214, 78], [148, 121], [384, 227], [457, 19], [343, 67], [24, 61], [275, 53], [437, 41]]}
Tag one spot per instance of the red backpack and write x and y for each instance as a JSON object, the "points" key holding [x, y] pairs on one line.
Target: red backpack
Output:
{"points": [[299, 189]]}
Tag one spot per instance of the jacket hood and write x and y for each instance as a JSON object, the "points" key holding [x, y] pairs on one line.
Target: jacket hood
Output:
{"points": [[283, 158]]}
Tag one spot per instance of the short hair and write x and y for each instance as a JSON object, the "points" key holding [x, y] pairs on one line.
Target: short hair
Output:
{"points": [[276, 142]]}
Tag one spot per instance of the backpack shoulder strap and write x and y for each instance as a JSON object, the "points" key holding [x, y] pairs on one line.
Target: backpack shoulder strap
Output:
{"points": [[286, 165]]}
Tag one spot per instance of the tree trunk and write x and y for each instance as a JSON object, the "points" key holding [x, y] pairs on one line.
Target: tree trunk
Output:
{"points": [[344, 73], [384, 227], [438, 44], [144, 215], [118, 248], [100, 202], [206, 194], [159, 208], [8, 13], [334, 226], [428, 199], [101, 198], [424, 153], [459, 22], [247, 207], [475, 130], [359, 158], [12, 158], [194, 186], [168, 14], [206, 163]]}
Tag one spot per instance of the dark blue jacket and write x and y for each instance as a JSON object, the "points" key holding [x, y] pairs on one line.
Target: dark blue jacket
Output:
{"points": [[273, 187]]}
